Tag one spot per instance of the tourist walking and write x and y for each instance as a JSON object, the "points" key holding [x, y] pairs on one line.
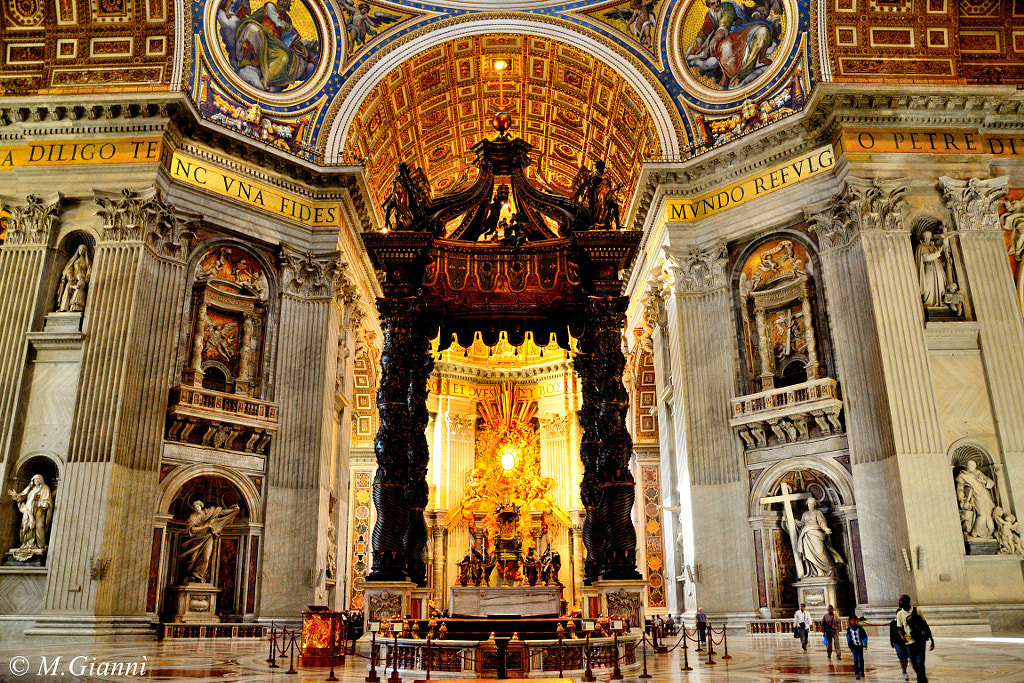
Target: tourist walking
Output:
{"points": [[916, 634], [830, 625], [802, 623], [702, 626], [896, 640], [857, 641]]}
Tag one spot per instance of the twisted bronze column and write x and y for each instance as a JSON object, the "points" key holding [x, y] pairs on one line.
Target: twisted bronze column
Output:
{"points": [[584, 365], [615, 448], [391, 444], [417, 489]]}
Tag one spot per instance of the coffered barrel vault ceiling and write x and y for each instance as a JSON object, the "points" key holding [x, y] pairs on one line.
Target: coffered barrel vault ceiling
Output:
{"points": [[434, 107]]}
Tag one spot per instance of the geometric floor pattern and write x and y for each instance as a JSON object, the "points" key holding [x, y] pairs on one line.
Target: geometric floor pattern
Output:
{"points": [[754, 659]]}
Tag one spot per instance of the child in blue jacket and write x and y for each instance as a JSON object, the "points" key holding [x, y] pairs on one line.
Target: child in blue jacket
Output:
{"points": [[857, 640]]}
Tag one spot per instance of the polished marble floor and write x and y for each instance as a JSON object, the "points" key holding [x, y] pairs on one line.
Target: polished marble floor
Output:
{"points": [[762, 658]]}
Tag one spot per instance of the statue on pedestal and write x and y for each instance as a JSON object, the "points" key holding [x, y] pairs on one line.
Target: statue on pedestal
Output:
{"points": [[35, 502], [203, 526], [814, 548], [551, 563]]}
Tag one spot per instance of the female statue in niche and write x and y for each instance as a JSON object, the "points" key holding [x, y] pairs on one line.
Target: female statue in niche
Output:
{"points": [[814, 548], [932, 254], [203, 526], [73, 281], [35, 503], [974, 494]]}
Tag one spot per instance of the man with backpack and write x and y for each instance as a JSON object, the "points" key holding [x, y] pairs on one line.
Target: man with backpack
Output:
{"points": [[916, 633]]}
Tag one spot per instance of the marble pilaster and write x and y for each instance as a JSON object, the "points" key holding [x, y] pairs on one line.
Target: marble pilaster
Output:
{"points": [[299, 466], [30, 232], [110, 485], [974, 205], [709, 471]]}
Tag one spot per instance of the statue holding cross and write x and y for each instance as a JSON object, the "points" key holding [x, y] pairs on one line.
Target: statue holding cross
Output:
{"points": [[787, 499]]}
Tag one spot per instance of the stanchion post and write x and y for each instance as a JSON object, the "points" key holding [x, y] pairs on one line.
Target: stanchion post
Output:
{"points": [[334, 646], [588, 673], [372, 677], [394, 677], [725, 643], [291, 656], [559, 656], [711, 647], [686, 658], [643, 637], [428, 656], [272, 661], [616, 671]]}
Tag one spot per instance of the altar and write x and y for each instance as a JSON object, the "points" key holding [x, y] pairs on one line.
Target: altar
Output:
{"points": [[521, 601]]}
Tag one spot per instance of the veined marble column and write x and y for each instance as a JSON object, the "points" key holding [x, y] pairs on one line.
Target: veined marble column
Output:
{"points": [[440, 561], [102, 529], [973, 205], [31, 227], [709, 465], [299, 466]]}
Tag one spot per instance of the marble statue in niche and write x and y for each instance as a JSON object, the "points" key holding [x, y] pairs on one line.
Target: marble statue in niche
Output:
{"points": [[932, 254], [73, 282], [974, 493], [204, 526], [35, 503], [814, 547], [941, 293]]}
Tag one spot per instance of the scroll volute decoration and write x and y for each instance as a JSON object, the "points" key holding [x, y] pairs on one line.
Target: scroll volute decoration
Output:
{"points": [[229, 302], [776, 289]]}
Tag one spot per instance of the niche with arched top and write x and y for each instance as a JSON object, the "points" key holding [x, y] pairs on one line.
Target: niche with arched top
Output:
{"points": [[30, 511], [230, 566], [781, 314], [937, 257], [228, 322], [978, 498]]}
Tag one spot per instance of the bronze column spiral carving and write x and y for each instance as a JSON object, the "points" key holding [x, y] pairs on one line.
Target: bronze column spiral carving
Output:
{"points": [[615, 448], [584, 365], [417, 489], [391, 444]]}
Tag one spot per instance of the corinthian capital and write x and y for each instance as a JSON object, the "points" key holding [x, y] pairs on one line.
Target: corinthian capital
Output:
{"points": [[699, 270], [832, 222], [973, 203], [129, 215], [33, 220], [311, 275], [877, 203]]}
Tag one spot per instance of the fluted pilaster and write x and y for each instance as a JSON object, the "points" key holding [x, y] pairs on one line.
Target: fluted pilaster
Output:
{"points": [[130, 328], [554, 456], [708, 467], [974, 204], [299, 467], [30, 230]]}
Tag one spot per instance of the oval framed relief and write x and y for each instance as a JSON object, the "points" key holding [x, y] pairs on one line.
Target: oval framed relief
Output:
{"points": [[275, 51], [726, 49]]}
